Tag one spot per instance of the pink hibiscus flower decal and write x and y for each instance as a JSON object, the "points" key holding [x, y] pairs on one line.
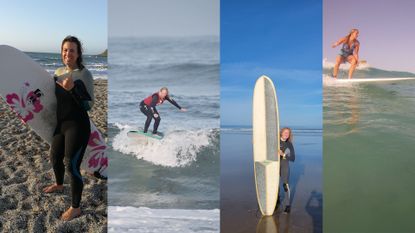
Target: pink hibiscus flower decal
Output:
{"points": [[97, 149], [25, 104]]}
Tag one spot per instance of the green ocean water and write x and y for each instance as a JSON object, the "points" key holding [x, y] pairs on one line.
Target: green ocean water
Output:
{"points": [[369, 155]]}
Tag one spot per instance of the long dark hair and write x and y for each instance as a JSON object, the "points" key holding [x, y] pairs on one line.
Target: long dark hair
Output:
{"points": [[73, 39]]}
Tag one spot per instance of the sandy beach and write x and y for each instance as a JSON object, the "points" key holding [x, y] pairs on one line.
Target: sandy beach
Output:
{"points": [[25, 170]]}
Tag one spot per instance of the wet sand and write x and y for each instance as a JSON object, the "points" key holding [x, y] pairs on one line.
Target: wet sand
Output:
{"points": [[25, 170], [239, 210]]}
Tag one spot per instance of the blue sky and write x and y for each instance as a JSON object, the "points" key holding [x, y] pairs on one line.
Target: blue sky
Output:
{"points": [[280, 39], [40, 26], [160, 18]]}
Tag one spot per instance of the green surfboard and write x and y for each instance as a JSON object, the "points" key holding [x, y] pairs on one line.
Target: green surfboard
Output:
{"points": [[140, 134]]}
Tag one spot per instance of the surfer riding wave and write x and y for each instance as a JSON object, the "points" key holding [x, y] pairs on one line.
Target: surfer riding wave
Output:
{"points": [[148, 108], [349, 52]]}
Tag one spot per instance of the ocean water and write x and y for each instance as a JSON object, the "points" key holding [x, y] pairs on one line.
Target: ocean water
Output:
{"points": [[369, 149], [132, 219], [181, 172], [239, 208], [97, 65]]}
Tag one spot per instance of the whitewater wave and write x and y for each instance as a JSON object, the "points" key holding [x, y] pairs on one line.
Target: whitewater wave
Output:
{"points": [[142, 219], [330, 81], [178, 148], [329, 65], [362, 71]]}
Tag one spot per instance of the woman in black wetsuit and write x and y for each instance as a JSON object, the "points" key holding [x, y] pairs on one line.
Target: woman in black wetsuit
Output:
{"points": [[74, 94], [287, 154], [148, 108]]}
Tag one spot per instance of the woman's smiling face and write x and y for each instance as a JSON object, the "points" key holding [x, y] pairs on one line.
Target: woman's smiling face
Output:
{"points": [[70, 54], [285, 134]]}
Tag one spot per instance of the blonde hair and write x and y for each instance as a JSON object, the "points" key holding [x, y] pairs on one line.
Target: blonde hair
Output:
{"points": [[350, 33], [164, 89], [290, 137]]}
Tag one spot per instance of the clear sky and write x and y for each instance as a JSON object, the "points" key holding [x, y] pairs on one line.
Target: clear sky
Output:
{"points": [[146, 18], [386, 27], [40, 26], [281, 39]]}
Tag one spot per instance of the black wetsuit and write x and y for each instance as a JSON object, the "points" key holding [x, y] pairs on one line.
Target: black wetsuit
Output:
{"points": [[288, 149], [71, 135], [148, 108]]}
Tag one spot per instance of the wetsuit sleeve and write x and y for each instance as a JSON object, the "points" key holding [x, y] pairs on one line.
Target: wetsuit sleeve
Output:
{"points": [[290, 153], [171, 100], [153, 104], [89, 84], [80, 94]]}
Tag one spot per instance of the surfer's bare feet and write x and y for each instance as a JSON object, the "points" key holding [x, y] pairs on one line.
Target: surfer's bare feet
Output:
{"points": [[53, 188], [71, 213]]}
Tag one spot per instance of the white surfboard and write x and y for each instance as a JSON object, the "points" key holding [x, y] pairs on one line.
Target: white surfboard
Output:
{"points": [[30, 91], [364, 80], [266, 143]]}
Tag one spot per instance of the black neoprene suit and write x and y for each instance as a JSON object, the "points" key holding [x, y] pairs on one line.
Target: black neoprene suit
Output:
{"points": [[71, 135], [150, 110]]}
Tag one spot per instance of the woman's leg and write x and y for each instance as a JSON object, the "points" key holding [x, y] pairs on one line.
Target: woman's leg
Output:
{"points": [[353, 64], [57, 155], [149, 116], [156, 123], [76, 141], [285, 175], [339, 60], [287, 193]]}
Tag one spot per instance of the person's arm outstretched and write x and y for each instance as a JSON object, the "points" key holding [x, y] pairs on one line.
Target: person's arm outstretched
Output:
{"points": [[341, 41], [172, 101]]}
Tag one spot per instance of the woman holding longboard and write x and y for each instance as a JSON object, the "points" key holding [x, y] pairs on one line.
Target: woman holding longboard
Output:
{"points": [[75, 96], [349, 52], [287, 154]]}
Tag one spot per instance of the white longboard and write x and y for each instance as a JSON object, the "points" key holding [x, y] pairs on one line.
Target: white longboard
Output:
{"points": [[365, 80], [30, 91], [266, 143]]}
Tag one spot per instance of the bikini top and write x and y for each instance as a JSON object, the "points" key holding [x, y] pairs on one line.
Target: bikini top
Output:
{"points": [[347, 49]]}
